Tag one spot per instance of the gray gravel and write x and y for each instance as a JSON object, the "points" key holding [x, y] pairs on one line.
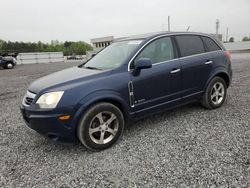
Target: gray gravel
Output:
{"points": [[189, 146]]}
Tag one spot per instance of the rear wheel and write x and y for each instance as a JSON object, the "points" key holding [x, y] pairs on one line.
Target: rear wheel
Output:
{"points": [[215, 93], [101, 126]]}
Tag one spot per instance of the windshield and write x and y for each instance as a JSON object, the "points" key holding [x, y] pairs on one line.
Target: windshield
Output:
{"points": [[112, 56]]}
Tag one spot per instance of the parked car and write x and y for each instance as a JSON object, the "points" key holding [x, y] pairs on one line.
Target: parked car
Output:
{"points": [[130, 79], [72, 57], [7, 62], [75, 57]]}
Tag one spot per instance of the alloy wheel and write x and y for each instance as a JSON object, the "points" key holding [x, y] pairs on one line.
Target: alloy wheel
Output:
{"points": [[103, 127], [217, 93]]}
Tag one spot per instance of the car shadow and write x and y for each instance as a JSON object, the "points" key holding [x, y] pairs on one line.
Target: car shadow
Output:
{"points": [[142, 125], [159, 117]]}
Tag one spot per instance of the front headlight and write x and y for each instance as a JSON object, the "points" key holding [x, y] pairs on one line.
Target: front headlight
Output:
{"points": [[49, 100]]}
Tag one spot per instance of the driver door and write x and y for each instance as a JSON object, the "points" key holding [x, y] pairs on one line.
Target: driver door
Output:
{"points": [[159, 87]]}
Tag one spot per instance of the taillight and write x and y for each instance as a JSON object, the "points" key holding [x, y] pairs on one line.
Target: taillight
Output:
{"points": [[228, 55]]}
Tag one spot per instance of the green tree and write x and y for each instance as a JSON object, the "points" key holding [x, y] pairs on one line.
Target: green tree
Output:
{"points": [[231, 39], [1, 45], [67, 44], [68, 47], [245, 39]]}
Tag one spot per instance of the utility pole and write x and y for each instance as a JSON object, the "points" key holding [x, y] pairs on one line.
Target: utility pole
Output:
{"points": [[169, 23], [217, 28], [227, 35]]}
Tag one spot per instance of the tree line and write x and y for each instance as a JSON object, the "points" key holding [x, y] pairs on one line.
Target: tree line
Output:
{"points": [[68, 47], [231, 39], [246, 39]]}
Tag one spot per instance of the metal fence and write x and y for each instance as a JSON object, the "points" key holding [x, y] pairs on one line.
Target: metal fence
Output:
{"points": [[51, 57], [43, 57], [236, 46]]}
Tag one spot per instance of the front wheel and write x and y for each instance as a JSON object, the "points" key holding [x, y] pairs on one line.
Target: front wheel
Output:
{"points": [[101, 126], [215, 93], [9, 65]]}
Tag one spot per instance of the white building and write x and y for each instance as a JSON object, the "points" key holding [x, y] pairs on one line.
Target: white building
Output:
{"points": [[100, 43]]}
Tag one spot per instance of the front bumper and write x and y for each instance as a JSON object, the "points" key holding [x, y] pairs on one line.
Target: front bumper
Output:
{"points": [[49, 125]]}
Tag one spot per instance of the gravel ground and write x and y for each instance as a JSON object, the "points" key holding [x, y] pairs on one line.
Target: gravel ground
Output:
{"points": [[189, 146]]}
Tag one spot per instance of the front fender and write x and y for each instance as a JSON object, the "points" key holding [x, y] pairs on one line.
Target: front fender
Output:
{"points": [[102, 95]]}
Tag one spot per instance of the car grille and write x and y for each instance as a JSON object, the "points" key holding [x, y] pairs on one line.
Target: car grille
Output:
{"points": [[28, 98]]}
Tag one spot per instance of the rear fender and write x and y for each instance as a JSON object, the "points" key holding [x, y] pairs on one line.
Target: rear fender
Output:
{"points": [[217, 71]]}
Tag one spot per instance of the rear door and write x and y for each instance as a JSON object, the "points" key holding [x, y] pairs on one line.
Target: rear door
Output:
{"points": [[195, 65], [215, 54]]}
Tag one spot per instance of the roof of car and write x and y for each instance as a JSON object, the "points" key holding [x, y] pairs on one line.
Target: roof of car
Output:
{"points": [[147, 36]]}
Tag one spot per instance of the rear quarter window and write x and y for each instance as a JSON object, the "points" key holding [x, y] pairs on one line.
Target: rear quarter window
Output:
{"points": [[190, 45], [210, 44]]}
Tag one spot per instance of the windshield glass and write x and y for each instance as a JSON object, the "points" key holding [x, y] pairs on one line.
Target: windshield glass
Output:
{"points": [[112, 56]]}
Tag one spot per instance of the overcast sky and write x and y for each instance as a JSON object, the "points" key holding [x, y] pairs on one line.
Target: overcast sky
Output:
{"points": [[46, 20]]}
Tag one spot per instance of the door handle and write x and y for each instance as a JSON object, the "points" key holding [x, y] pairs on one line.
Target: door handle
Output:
{"points": [[175, 71], [208, 62]]}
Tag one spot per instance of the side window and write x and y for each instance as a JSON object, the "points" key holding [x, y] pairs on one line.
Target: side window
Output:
{"points": [[190, 45], [210, 44], [159, 50]]}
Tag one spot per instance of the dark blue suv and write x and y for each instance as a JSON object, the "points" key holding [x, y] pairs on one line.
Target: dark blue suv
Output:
{"points": [[131, 78]]}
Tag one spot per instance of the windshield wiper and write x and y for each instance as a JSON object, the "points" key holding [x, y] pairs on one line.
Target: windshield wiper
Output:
{"points": [[92, 68]]}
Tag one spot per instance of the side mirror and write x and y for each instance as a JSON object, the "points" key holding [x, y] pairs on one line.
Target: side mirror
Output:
{"points": [[143, 63]]}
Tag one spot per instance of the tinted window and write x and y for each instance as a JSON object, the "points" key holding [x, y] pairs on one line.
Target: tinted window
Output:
{"points": [[190, 45], [210, 44], [159, 50]]}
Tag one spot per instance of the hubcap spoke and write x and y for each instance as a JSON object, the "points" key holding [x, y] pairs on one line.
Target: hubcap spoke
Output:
{"points": [[94, 130], [111, 131], [221, 94], [101, 137], [219, 88], [111, 119], [213, 95], [100, 118], [214, 88], [217, 99]]}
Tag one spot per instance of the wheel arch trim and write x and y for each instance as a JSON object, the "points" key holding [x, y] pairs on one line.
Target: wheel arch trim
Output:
{"points": [[102, 96], [221, 73]]}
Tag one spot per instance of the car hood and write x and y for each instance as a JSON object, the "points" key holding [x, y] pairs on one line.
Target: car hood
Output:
{"points": [[62, 78]]}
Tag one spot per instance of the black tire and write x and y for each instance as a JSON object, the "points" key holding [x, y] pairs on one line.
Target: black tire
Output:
{"points": [[9, 65], [90, 119], [208, 99]]}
